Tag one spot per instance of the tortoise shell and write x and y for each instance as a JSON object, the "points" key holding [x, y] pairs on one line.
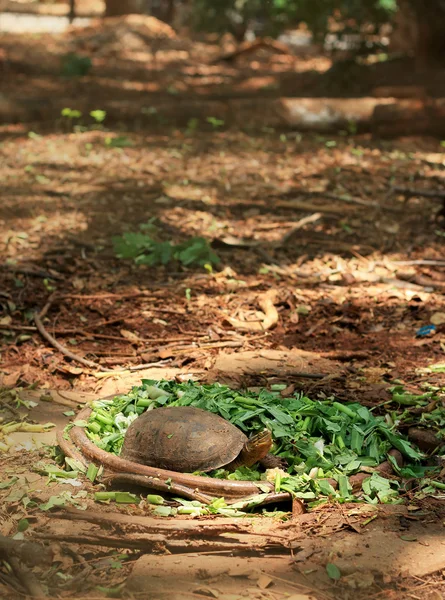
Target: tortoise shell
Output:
{"points": [[182, 438]]}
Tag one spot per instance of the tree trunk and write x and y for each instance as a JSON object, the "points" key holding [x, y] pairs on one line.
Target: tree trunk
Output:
{"points": [[164, 11], [115, 8], [419, 30], [72, 12]]}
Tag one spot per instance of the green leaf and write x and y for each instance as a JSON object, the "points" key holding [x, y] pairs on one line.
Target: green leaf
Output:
{"points": [[54, 501], [22, 525], [280, 416], [333, 571], [326, 488], [6, 484], [196, 251], [120, 141], [15, 495], [98, 115], [131, 245]]}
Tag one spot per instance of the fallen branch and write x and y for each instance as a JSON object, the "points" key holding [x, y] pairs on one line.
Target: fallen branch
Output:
{"points": [[153, 524], [153, 543], [411, 263], [345, 355], [30, 553], [27, 578], [32, 271], [410, 192], [206, 485], [309, 207], [69, 449], [353, 200]]}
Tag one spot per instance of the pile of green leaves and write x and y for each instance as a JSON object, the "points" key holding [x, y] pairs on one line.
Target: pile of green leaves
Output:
{"points": [[145, 249], [335, 440]]}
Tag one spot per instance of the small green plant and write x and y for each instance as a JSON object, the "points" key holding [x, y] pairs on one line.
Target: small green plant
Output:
{"points": [[70, 118], [42, 179], [98, 115], [74, 65], [214, 122], [70, 115], [48, 286], [144, 249], [192, 125], [121, 141], [352, 127], [357, 151]]}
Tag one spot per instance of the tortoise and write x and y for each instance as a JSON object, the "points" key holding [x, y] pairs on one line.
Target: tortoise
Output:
{"points": [[188, 439]]}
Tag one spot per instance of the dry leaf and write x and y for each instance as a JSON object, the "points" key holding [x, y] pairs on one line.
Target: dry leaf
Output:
{"points": [[264, 581], [435, 595], [11, 379], [359, 579], [206, 591], [438, 318], [78, 283], [130, 336], [239, 572], [66, 368], [6, 320]]}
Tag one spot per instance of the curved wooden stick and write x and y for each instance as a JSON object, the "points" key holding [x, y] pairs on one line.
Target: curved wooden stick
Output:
{"points": [[215, 487], [196, 487], [157, 484]]}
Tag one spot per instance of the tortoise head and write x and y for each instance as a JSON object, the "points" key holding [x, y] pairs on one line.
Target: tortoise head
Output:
{"points": [[256, 447]]}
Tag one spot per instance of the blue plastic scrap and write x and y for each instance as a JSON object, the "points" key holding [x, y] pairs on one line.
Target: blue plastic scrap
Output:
{"points": [[426, 330]]}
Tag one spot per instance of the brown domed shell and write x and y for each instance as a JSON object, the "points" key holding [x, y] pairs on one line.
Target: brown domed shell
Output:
{"points": [[182, 438]]}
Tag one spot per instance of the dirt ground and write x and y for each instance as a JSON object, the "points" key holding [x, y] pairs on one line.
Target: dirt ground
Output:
{"points": [[353, 284]]}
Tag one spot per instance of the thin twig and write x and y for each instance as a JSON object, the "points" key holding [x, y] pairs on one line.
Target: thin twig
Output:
{"points": [[29, 552], [27, 578], [49, 338], [299, 225], [18, 327], [32, 271], [438, 194], [411, 263], [110, 295]]}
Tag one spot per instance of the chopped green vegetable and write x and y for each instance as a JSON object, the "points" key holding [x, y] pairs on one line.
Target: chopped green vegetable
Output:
{"points": [[334, 439], [153, 499], [92, 472]]}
